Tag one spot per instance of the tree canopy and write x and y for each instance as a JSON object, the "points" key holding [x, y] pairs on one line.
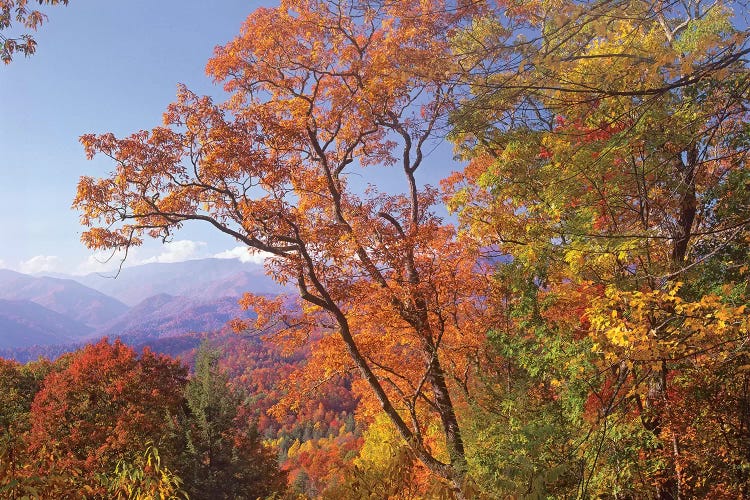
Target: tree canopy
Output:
{"points": [[583, 331]]}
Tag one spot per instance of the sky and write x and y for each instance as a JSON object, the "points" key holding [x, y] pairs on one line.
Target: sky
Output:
{"points": [[101, 66]]}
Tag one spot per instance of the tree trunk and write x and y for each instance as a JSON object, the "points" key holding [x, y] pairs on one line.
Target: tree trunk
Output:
{"points": [[657, 394]]}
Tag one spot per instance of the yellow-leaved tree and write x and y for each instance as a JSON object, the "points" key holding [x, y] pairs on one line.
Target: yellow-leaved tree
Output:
{"points": [[611, 166]]}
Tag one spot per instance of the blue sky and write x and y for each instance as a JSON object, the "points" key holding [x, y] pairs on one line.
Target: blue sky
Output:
{"points": [[100, 66]]}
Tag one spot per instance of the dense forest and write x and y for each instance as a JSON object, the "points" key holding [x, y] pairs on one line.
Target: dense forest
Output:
{"points": [[564, 317]]}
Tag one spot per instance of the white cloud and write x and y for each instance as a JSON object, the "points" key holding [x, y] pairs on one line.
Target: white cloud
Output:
{"points": [[2, 264], [40, 264], [101, 262], [177, 251], [174, 251], [244, 254]]}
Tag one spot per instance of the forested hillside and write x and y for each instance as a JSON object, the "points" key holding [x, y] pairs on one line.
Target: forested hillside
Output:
{"points": [[565, 316], [105, 422]]}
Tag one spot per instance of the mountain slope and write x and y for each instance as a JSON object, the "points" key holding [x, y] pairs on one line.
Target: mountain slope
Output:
{"points": [[24, 323], [64, 296], [206, 279], [165, 315], [168, 300]]}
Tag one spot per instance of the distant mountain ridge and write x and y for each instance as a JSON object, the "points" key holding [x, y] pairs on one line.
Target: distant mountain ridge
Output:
{"points": [[64, 296], [165, 315], [143, 303], [24, 323], [201, 278]]}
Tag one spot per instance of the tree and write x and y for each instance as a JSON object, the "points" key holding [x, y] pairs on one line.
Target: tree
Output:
{"points": [[617, 180], [385, 468], [318, 90], [223, 456], [537, 50], [19, 384], [145, 478], [102, 408], [19, 11]]}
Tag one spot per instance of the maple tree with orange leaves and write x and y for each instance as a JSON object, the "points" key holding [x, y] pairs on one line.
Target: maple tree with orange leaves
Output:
{"points": [[320, 91]]}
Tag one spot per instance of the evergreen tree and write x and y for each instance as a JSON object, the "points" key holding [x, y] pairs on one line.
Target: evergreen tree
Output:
{"points": [[223, 457]]}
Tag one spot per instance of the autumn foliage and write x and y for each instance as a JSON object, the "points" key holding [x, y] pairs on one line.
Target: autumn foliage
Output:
{"points": [[105, 422], [581, 333], [607, 171], [107, 402], [320, 91], [21, 13]]}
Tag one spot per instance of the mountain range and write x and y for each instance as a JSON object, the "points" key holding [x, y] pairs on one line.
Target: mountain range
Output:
{"points": [[204, 278], [151, 301], [64, 296]]}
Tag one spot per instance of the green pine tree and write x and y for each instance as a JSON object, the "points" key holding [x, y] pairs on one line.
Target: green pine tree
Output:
{"points": [[223, 456]]}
